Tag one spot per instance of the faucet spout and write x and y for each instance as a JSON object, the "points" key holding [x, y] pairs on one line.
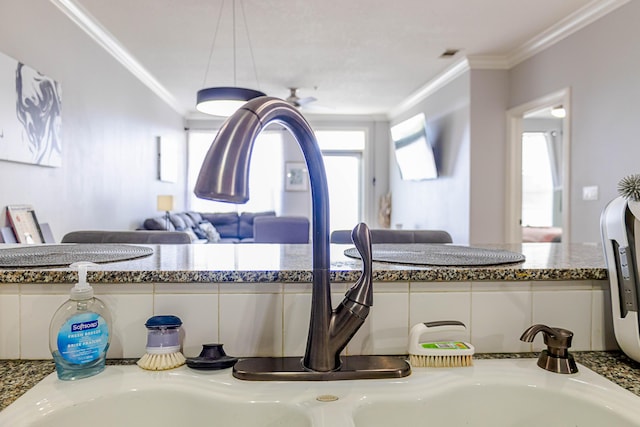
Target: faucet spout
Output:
{"points": [[224, 176]]}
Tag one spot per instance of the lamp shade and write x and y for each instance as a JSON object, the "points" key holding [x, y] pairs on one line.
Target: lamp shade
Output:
{"points": [[224, 101], [165, 203]]}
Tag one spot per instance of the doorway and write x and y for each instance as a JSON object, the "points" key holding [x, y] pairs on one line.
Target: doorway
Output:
{"points": [[538, 173]]}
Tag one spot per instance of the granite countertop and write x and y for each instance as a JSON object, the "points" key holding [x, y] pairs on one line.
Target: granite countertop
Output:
{"points": [[293, 263], [18, 376]]}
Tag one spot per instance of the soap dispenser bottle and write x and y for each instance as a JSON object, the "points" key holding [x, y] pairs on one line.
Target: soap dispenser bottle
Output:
{"points": [[80, 331]]}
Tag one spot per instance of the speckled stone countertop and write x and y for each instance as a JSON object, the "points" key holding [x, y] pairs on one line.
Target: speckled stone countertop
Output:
{"points": [[18, 376], [293, 263]]}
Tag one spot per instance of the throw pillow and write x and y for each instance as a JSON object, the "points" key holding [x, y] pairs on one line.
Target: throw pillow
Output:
{"points": [[191, 234], [178, 222], [200, 233], [212, 234]]}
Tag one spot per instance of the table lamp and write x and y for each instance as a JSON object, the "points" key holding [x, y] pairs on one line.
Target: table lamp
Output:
{"points": [[165, 203]]}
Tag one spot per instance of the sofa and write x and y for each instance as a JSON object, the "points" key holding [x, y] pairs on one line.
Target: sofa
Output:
{"points": [[231, 227]]}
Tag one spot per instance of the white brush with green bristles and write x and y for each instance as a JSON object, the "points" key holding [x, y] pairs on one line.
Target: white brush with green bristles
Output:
{"points": [[439, 354]]}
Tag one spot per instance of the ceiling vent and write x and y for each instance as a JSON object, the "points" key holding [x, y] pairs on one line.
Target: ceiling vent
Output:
{"points": [[449, 53]]}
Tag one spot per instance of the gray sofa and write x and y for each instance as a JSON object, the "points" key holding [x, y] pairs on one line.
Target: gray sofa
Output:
{"points": [[230, 227]]}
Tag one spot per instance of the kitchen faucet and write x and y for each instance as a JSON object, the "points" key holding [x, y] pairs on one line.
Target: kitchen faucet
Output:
{"points": [[224, 176]]}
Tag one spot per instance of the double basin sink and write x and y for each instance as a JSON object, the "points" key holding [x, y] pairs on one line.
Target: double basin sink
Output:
{"points": [[509, 392]]}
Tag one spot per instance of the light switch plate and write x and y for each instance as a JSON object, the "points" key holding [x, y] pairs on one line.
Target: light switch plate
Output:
{"points": [[590, 192]]}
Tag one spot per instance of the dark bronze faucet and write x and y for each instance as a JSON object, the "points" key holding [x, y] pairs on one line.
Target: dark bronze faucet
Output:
{"points": [[556, 357], [224, 176]]}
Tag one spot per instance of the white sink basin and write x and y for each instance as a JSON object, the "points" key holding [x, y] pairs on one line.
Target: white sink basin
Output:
{"points": [[512, 392]]}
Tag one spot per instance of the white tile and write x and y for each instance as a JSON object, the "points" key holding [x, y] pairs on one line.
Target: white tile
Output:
{"points": [[199, 315], [185, 288], [45, 289], [36, 312], [123, 288], [389, 287], [435, 306], [601, 285], [250, 288], [296, 316], [564, 309], [129, 312], [385, 329], [498, 320], [303, 287], [602, 334], [501, 286], [9, 322], [562, 285], [297, 310], [440, 287], [251, 324]]}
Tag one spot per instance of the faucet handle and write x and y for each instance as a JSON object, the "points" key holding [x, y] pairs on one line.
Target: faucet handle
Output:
{"points": [[553, 337], [362, 291], [556, 357]]}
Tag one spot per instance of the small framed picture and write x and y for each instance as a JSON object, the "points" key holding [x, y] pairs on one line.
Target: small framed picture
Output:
{"points": [[24, 223], [296, 177]]}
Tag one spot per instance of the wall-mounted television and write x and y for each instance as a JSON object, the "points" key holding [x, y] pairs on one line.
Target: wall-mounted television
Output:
{"points": [[414, 154]]}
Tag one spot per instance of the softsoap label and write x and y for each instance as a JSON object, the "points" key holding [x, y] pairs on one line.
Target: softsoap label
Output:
{"points": [[83, 338]]}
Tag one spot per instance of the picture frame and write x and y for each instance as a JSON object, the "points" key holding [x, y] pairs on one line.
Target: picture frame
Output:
{"points": [[167, 160], [296, 177], [25, 225]]}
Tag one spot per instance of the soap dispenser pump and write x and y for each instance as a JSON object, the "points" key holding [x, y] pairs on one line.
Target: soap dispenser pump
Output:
{"points": [[80, 331]]}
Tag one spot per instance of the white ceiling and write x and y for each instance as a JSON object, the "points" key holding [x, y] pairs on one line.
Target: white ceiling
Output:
{"points": [[355, 56]]}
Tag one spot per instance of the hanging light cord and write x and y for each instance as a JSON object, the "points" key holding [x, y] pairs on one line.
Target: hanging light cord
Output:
{"points": [[253, 61], [213, 43], [215, 37]]}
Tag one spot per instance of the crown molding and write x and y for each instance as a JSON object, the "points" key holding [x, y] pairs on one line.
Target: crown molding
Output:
{"points": [[453, 72], [563, 29], [552, 35], [109, 43]]}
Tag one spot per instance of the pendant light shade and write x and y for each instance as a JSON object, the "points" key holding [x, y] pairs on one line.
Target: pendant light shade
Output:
{"points": [[224, 101]]}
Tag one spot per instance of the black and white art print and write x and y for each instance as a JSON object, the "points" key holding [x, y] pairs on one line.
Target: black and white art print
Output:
{"points": [[30, 115]]}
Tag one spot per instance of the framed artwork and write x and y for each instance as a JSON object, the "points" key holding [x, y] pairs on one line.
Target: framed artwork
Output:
{"points": [[167, 160], [296, 177], [30, 115], [26, 228]]}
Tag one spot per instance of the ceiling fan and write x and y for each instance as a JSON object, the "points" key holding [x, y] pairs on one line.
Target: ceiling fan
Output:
{"points": [[296, 101]]}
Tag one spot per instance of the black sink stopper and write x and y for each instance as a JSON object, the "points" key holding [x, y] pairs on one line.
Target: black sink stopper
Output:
{"points": [[211, 357]]}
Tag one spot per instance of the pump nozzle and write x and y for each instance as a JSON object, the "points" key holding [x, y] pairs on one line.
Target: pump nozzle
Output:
{"points": [[82, 290]]}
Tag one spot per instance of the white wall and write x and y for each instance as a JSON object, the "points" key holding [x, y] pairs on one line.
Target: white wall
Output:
{"points": [[442, 203], [600, 64], [110, 122]]}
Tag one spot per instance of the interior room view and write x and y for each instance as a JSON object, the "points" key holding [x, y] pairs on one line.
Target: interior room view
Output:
{"points": [[406, 194]]}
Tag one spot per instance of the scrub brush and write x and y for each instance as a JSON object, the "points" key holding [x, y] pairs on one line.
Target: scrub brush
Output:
{"points": [[629, 188], [440, 354], [163, 344]]}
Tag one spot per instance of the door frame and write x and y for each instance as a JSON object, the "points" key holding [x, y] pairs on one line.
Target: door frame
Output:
{"points": [[513, 196]]}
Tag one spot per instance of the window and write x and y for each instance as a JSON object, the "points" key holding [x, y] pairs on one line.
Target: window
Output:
{"points": [[265, 186], [342, 152], [537, 181]]}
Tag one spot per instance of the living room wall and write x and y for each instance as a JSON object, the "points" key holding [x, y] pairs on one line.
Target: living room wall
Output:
{"points": [[110, 121], [442, 203]]}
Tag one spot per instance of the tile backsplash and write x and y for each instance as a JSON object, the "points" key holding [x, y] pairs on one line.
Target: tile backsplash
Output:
{"points": [[271, 319]]}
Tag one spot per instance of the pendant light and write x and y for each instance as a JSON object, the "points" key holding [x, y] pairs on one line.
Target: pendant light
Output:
{"points": [[224, 101]]}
